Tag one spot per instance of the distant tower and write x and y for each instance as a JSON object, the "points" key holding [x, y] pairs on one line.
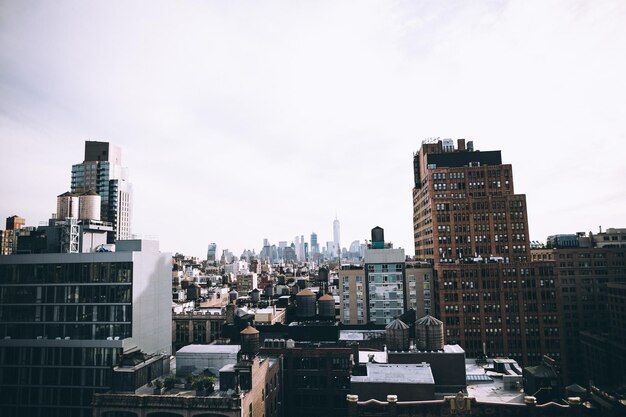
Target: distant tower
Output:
{"points": [[299, 248], [336, 236], [296, 247], [103, 173], [315, 249], [211, 251]]}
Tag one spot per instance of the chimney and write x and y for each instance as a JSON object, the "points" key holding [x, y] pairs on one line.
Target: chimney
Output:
{"points": [[460, 144]]}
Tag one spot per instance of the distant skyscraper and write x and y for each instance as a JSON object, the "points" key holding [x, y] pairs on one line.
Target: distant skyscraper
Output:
{"points": [[211, 251], [336, 234], [296, 245], [281, 249], [227, 257], [299, 248], [102, 172], [266, 251], [315, 249], [331, 249]]}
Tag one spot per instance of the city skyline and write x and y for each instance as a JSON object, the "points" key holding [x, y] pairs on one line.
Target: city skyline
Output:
{"points": [[227, 121]]}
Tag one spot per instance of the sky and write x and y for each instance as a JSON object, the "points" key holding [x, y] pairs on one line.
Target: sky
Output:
{"points": [[243, 120]]}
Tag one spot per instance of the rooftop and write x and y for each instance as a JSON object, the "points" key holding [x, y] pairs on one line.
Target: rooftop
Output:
{"points": [[397, 374], [209, 349], [361, 334], [489, 389]]}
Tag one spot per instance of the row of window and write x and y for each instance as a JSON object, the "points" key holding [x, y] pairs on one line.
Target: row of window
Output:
{"points": [[66, 294], [81, 331], [66, 273], [66, 313], [57, 356]]}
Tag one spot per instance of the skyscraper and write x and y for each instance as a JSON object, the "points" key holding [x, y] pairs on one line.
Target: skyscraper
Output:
{"points": [[336, 237], [315, 249], [296, 243], [211, 251], [472, 227], [102, 172]]}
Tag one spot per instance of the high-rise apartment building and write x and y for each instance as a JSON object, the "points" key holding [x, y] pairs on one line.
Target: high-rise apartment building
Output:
{"points": [[472, 227], [382, 289], [386, 291], [355, 308], [66, 319], [102, 172]]}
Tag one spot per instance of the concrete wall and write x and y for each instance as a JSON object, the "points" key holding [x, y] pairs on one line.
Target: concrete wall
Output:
{"points": [[152, 292]]}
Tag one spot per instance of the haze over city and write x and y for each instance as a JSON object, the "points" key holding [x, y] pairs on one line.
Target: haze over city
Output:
{"points": [[245, 121]]}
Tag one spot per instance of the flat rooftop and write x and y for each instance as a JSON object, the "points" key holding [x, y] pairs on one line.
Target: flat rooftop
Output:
{"points": [[446, 349], [396, 374], [489, 389], [209, 349], [361, 334]]}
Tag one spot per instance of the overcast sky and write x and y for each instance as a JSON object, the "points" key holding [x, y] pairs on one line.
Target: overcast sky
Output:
{"points": [[248, 120]]}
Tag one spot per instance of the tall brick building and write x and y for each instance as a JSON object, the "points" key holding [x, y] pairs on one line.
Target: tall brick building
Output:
{"points": [[464, 205], [472, 227]]}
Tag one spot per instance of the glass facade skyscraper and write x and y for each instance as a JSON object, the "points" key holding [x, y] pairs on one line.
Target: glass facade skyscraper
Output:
{"points": [[102, 172]]}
